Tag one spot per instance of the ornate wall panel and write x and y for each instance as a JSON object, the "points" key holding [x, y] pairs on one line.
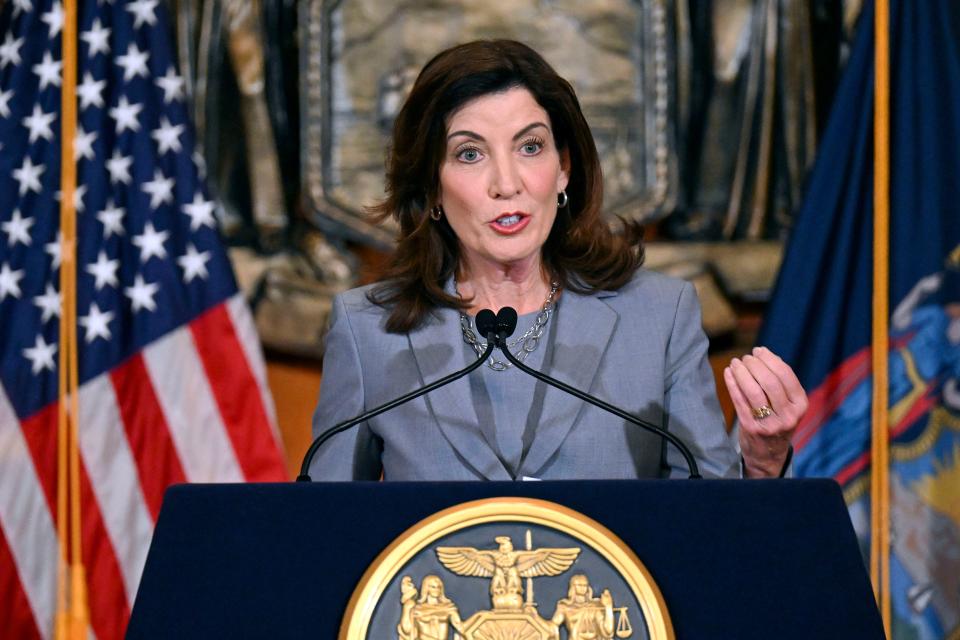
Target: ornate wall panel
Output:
{"points": [[360, 57]]}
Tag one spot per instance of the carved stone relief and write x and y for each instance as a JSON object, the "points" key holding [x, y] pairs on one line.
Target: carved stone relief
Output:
{"points": [[362, 56], [703, 113]]}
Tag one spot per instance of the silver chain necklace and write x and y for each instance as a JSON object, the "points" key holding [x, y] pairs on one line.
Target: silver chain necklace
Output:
{"points": [[528, 342]]}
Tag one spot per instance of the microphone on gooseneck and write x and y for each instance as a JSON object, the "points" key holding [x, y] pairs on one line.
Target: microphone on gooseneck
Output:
{"points": [[506, 322], [486, 325]]}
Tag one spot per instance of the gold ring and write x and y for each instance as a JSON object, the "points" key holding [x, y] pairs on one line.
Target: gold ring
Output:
{"points": [[762, 412]]}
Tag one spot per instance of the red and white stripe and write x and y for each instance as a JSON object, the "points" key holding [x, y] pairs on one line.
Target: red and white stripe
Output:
{"points": [[192, 406], [28, 560]]}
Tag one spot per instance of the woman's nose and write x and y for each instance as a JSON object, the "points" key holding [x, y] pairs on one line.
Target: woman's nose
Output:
{"points": [[505, 181]]}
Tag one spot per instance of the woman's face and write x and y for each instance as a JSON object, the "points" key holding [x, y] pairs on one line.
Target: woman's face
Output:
{"points": [[499, 179]]}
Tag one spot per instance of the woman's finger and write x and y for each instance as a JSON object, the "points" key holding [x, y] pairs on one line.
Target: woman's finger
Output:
{"points": [[769, 383], [791, 384], [741, 404], [748, 385]]}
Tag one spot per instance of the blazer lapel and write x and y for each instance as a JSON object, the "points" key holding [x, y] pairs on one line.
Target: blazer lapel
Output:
{"points": [[438, 348], [585, 325]]}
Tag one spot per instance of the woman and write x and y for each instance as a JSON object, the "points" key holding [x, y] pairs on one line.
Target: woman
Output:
{"points": [[430, 616], [584, 615], [494, 179]]}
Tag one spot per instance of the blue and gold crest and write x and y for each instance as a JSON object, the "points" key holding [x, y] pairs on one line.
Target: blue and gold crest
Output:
{"points": [[507, 569]]}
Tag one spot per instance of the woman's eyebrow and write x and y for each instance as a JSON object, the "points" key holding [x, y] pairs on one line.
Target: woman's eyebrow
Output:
{"points": [[467, 133], [476, 136], [528, 128]]}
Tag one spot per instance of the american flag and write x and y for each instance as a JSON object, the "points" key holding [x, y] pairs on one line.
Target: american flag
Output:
{"points": [[172, 383]]}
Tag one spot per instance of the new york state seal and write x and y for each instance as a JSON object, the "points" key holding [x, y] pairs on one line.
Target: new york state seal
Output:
{"points": [[425, 585]]}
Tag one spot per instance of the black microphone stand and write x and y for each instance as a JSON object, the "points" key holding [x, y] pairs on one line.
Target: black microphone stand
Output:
{"points": [[507, 321], [416, 393]]}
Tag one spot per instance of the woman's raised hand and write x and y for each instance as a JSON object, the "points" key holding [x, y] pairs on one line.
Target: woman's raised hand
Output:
{"points": [[769, 401]]}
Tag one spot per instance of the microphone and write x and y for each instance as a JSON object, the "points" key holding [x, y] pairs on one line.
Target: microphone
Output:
{"points": [[506, 322], [487, 325]]}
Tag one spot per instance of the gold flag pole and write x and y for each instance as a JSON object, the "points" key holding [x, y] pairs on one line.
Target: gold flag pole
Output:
{"points": [[880, 432], [72, 615], [60, 627]]}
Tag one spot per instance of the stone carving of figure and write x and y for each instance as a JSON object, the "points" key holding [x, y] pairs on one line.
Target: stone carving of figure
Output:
{"points": [[429, 616], [240, 60], [585, 617], [230, 110], [758, 91]]}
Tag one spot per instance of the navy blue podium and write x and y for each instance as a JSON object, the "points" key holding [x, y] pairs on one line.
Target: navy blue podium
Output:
{"points": [[738, 559]]}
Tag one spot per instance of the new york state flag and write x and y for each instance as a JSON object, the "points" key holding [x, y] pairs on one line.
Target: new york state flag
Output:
{"points": [[820, 317]]}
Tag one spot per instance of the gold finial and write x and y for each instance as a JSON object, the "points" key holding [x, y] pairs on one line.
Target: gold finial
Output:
{"points": [[953, 259]]}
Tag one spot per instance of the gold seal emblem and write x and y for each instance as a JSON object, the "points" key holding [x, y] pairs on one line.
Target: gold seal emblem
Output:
{"points": [[421, 589]]}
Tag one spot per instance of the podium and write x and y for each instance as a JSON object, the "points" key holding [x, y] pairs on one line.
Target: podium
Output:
{"points": [[739, 559]]}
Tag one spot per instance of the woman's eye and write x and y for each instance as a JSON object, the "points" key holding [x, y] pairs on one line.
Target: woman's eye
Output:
{"points": [[468, 155], [531, 147]]}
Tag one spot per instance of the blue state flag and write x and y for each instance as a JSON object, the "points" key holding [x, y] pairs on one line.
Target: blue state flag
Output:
{"points": [[820, 317]]}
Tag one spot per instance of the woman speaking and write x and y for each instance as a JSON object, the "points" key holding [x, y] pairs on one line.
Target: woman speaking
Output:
{"points": [[494, 179]]}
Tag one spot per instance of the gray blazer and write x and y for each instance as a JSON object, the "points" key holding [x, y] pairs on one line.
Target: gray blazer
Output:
{"points": [[641, 348]]}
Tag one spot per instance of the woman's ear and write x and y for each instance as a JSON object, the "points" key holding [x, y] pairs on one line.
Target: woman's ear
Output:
{"points": [[433, 200], [564, 176]]}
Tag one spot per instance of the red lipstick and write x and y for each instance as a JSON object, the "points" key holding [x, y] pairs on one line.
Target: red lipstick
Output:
{"points": [[510, 222]]}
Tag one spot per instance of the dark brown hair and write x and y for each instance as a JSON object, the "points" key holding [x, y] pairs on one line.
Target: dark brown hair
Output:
{"points": [[581, 252]]}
